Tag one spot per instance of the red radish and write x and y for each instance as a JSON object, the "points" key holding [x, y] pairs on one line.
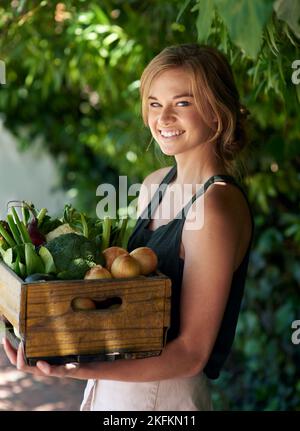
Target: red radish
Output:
{"points": [[36, 236]]}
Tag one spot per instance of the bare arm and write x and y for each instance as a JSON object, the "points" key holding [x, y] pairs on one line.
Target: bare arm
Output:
{"points": [[210, 259]]}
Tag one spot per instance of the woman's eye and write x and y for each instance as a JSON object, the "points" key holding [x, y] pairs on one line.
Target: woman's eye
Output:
{"points": [[186, 103], [181, 103]]}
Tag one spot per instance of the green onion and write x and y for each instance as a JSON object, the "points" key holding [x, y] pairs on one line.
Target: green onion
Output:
{"points": [[41, 215], [6, 236], [22, 229], [106, 232], [14, 229], [25, 214]]}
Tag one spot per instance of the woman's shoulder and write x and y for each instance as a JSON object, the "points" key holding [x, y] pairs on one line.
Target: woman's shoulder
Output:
{"points": [[225, 210], [227, 198]]}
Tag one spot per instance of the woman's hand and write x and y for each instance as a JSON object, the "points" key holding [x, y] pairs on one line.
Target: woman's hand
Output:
{"points": [[42, 368]]}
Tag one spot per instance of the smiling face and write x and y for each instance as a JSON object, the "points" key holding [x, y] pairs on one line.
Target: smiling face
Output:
{"points": [[173, 118]]}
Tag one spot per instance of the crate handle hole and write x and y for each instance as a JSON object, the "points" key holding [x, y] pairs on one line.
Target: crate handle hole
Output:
{"points": [[86, 304], [108, 303]]}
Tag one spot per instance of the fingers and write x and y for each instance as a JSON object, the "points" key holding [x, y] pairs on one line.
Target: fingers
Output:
{"points": [[21, 365], [16, 357], [42, 368], [11, 353], [67, 370]]}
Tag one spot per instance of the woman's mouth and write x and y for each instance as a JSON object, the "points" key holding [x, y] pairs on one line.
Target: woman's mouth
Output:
{"points": [[171, 134]]}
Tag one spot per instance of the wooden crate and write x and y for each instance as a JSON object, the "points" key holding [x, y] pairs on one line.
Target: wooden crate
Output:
{"points": [[130, 321]]}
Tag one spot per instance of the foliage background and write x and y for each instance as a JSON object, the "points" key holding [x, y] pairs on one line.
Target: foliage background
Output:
{"points": [[73, 71]]}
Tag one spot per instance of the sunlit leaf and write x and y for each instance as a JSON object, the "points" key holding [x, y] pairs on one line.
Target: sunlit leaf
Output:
{"points": [[183, 8], [204, 19], [289, 11], [245, 20]]}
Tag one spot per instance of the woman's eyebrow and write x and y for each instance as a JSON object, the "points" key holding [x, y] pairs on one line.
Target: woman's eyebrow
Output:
{"points": [[175, 97]]}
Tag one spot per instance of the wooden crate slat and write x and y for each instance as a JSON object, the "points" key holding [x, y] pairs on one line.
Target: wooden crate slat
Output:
{"points": [[60, 344], [12, 298]]}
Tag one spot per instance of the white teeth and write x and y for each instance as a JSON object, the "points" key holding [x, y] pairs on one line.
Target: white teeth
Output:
{"points": [[173, 133]]}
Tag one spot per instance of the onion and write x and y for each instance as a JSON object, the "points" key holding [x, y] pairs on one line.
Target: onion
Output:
{"points": [[111, 253], [125, 266], [83, 304], [97, 272], [146, 258]]}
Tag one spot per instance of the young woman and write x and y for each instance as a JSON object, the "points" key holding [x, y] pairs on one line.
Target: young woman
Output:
{"points": [[202, 235]]}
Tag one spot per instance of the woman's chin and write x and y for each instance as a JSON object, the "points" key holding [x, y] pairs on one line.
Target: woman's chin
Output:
{"points": [[168, 150]]}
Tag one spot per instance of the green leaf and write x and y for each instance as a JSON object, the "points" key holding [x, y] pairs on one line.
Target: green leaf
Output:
{"points": [[8, 257], [22, 268], [270, 39], [204, 19], [16, 266], [245, 21], [47, 259], [14, 229], [34, 262], [100, 14], [289, 11], [252, 347], [298, 92], [283, 317], [183, 8]]}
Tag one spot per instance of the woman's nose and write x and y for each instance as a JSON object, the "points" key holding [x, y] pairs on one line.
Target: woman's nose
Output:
{"points": [[166, 116]]}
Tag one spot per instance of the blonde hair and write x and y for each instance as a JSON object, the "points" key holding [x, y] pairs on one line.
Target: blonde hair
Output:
{"points": [[213, 86]]}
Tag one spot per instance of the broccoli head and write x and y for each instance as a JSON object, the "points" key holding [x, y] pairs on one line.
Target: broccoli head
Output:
{"points": [[73, 255]]}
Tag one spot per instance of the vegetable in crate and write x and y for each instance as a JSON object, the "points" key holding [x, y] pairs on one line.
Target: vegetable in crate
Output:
{"points": [[97, 272], [4, 245], [147, 259], [31, 226], [111, 253], [27, 245], [74, 255], [36, 236], [59, 230], [125, 266], [19, 251]]}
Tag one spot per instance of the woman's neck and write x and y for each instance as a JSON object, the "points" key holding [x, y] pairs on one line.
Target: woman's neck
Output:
{"points": [[197, 168]]}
